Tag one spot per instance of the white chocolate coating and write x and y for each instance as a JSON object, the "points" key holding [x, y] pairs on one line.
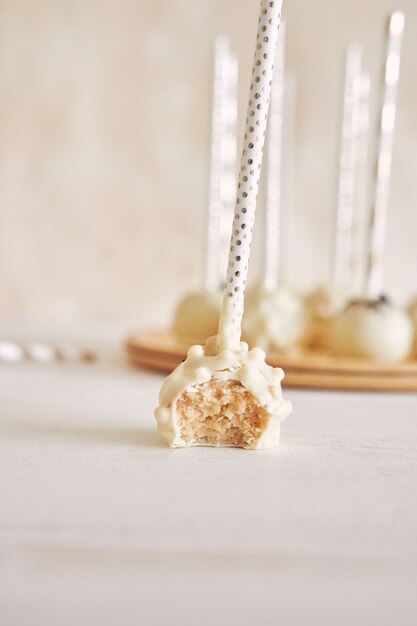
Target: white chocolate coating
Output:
{"points": [[412, 310], [274, 319], [320, 306], [197, 316], [243, 365], [372, 330]]}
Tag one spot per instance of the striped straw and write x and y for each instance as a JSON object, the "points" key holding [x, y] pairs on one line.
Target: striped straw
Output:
{"points": [[274, 168], [384, 153], [222, 159], [250, 166], [347, 166]]}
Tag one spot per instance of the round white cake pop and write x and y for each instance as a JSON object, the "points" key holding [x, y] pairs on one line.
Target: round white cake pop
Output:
{"points": [[372, 329], [320, 307], [273, 319], [197, 316], [412, 310]]}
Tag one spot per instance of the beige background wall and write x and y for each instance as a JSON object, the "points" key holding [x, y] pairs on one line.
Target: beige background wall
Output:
{"points": [[104, 127]]}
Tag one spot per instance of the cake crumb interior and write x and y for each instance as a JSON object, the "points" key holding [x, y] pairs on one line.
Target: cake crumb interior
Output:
{"points": [[220, 413]]}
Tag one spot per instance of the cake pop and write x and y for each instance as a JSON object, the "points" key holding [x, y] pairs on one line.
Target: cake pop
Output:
{"points": [[224, 394], [197, 316], [372, 329], [321, 305], [274, 319], [225, 398]]}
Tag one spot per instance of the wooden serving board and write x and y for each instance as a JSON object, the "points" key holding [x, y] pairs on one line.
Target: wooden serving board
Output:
{"points": [[159, 350]]}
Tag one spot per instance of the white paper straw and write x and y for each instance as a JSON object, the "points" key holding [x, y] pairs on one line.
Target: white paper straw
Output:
{"points": [[384, 153], [347, 166], [222, 160], [229, 160], [250, 166], [287, 250], [273, 164], [361, 185]]}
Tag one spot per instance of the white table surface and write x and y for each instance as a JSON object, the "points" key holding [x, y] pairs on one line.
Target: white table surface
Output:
{"points": [[100, 523]]}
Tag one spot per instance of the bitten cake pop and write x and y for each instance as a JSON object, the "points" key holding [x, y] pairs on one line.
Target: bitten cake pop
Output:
{"points": [[372, 327], [327, 300], [222, 398], [198, 313], [274, 316], [224, 394]]}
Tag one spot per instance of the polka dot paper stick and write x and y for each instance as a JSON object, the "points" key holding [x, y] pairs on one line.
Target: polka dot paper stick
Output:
{"points": [[361, 185], [347, 166], [384, 153], [274, 168], [250, 167]]}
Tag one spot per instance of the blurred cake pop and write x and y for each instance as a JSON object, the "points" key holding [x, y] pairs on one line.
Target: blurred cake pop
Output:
{"points": [[274, 319], [321, 305], [372, 329], [224, 394], [197, 315]]}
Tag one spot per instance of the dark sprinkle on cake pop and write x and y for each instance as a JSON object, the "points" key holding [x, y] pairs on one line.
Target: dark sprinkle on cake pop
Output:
{"points": [[374, 304]]}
